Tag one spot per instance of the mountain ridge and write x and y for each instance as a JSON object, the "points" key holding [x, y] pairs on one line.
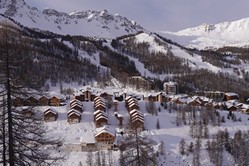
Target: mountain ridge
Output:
{"points": [[101, 24], [213, 36]]}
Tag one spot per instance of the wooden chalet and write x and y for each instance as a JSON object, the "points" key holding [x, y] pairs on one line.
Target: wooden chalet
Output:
{"points": [[231, 96], [98, 112], [43, 101], [27, 112], [133, 106], [245, 111], [232, 108], [104, 138], [101, 120], [179, 101], [79, 97], [194, 103], [75, 101], [137, 122], [77, 107], [31, 101], [54, 101], [50, 115], [73, 116], [100, 106], [135, 112], [18, 101], [106, 96], [99, 102]]}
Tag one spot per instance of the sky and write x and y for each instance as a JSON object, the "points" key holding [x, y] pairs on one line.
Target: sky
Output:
{"points": [[158, 15]]}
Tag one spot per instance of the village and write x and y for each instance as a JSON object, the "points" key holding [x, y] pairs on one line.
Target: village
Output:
{"points": [[108, 115]]}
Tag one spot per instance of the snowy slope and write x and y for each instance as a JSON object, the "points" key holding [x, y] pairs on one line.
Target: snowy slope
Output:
{"points": [[169, 133], [214, 36], [86, 23]]}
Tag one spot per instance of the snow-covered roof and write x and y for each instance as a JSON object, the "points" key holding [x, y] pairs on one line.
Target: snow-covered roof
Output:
{"points": [[76, 104], [170, 83], [104, 129], [128, 97], [101, 117], [87, 137], [98, 111], [100, 104], [76, 101], [136, 114], [75, 111], [98, 98], [231, 94], [132, 104], [101, 114], [134, 110], [50, 110], [137, 119]]}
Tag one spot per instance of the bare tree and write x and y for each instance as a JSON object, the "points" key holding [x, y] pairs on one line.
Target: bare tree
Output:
{"points": [[110, 157], [89, 159], [137, 150], [97, 159], [103, 158]]}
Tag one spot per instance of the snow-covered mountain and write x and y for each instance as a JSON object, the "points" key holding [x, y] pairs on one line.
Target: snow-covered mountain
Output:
{"points": [[214, 36], [86, 23]]}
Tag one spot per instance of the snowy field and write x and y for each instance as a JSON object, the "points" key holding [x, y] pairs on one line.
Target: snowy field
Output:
{"points": [[169, 132]]}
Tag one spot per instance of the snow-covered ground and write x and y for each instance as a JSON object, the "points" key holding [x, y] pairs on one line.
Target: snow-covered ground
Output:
{"points": [[169, 133]]}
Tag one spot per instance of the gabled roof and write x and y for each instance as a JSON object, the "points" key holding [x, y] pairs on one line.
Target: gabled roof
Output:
{"points": [[43, 97], [74, 111], [98, 111], [101, 117], [231, 94], [98, 98], [132, 104], [76, 101], [137, 114], [132, 111], [50, 110], [104, 129], [76, 104], [100, 104], [100, 114], [137, 119]]}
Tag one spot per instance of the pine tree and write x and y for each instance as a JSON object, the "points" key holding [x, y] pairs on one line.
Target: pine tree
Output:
{"points": [[182, 147], [24, 139]]}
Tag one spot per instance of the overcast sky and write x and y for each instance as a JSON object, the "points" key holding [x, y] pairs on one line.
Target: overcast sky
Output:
{"points": [[158, 15]]}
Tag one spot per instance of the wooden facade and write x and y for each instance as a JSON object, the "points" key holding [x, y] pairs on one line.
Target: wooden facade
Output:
{"points": [[54, 101], [18, 101], [31, 101], [43, 101], [73, 117], [50, 115]]}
